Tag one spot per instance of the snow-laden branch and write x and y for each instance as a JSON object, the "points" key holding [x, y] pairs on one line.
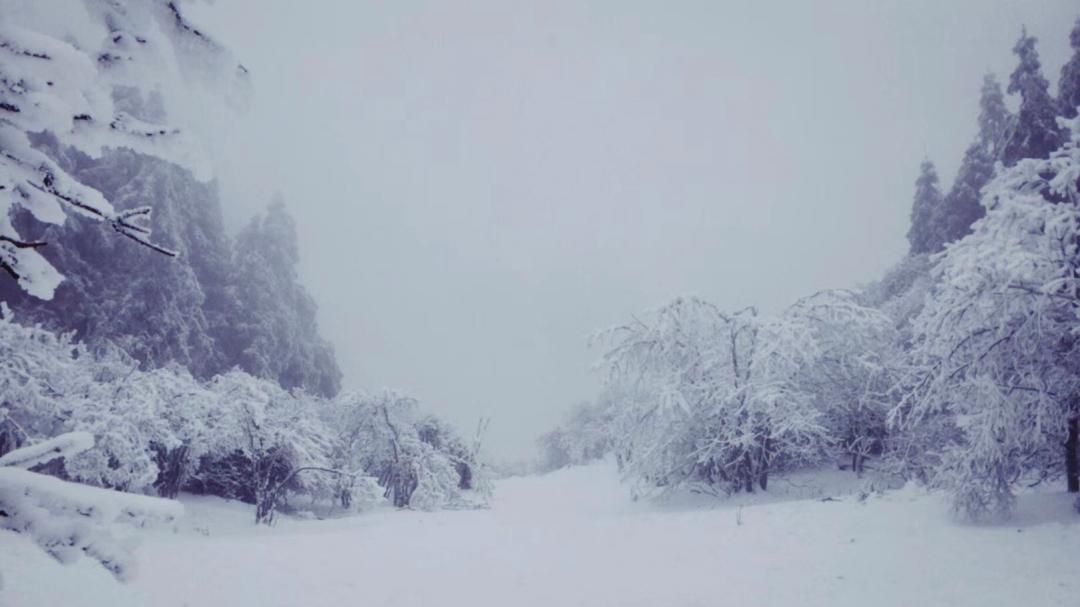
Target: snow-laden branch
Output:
{"points": [[63, 75]]}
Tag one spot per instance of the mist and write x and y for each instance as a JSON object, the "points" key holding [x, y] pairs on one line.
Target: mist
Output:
{"points": [[479, 186]]}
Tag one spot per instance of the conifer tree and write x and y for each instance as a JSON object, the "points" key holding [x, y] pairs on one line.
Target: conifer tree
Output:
{"points": [[1069, 85], [926, 234], [1035, 132], [962, 206], [274, 334]]}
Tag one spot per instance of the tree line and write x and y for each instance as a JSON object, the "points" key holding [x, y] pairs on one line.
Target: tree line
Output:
{"points": [[144, 351], [960, 367]]}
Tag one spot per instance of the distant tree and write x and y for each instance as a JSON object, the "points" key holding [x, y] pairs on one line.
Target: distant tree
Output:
{"points": [[418, 461], [584, 435], [901, 293], [273, 333], [962, 208], [1069, 85], [1035, 132], [926, 234], [73, 83]]}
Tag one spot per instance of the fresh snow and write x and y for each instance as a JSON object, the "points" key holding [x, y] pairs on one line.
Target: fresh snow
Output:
{"points": [[574, 537]]}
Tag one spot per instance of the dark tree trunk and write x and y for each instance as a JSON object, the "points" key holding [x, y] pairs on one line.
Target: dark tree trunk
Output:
{"points": [[171, 465], [1072, 464], [748, 473]]}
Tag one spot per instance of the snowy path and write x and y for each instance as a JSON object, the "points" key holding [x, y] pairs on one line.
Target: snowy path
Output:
{"points": [[572, 538]]}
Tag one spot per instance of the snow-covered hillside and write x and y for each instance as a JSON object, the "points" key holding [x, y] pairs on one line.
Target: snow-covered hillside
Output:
{"points": [[574, 537]]}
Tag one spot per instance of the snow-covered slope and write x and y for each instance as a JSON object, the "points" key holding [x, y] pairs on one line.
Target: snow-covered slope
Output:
{"points": [[573, 537]]}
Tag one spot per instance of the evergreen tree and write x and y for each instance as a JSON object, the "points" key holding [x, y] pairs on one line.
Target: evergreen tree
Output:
{"points": [[63, 78], [962, 206], [274, 333], [1069, 85], [1035, 132], [154, 307], [926, 234]]}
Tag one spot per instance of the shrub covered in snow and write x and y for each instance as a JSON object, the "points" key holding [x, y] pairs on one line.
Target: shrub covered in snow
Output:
{"points": [[419, 461]]}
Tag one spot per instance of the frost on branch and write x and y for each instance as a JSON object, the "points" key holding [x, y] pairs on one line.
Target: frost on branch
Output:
{"points": [[418, 462], [48, 450], [997, 347], [712, 397], [69, 72]]}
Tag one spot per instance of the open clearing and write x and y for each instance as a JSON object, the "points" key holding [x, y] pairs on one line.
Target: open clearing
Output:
{"points": [[574, 538]]}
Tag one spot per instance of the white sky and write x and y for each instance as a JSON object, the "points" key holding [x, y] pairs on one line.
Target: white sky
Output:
{"points": [[479, 185]]}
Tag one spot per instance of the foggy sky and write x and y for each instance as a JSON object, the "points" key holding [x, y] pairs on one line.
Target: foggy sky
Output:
{"points": [[481, 185]]}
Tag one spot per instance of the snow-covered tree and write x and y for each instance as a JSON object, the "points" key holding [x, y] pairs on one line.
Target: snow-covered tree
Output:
{"points": [[266, 437], [926, 234], [147, 426], [853, 375], [1035, 132], [157, 309], [274, 333], [901, 293], [712, 397], [1069, 84], [996, 345], [81, 73], [418, 462], [961, 205], [584, 435]]}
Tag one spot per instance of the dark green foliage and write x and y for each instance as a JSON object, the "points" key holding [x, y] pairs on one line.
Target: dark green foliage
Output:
{"points": [[926, 234], [1035, 132], [962, 207], [274, 334], [152, 306], [1069, 85], [212, 308]]}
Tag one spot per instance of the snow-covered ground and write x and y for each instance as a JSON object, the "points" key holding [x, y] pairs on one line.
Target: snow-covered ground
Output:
{"points": [[574, 538]]}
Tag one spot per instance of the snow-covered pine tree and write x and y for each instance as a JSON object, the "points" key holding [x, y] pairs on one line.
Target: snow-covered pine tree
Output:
{"points": [[962, 208], [66, 72], [996, 348], [1035, 132], [926, 234], [274, 332], [1069, 84], [157, 309]]}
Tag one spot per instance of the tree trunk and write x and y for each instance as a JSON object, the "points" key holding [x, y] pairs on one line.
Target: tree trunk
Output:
{"points": [[748, 472], [1072, 463], [171, 476]]}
